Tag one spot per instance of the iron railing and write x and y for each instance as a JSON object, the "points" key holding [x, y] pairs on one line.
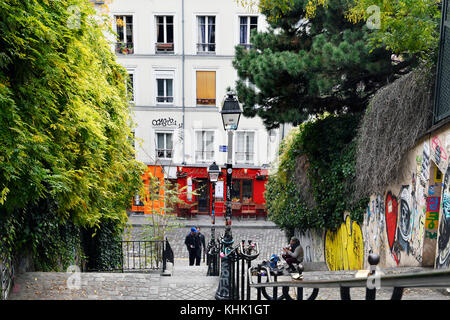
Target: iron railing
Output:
{"points": [[142, 256], [398, 282], [206, 48], [146, 255], [234, 280]]}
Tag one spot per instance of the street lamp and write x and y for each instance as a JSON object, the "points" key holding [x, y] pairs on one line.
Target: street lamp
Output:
{"points": [[213, 250], [213, 172], [231, 114]]}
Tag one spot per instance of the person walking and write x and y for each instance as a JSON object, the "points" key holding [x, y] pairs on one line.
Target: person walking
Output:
{"points": [[202, 242], [293, 253], [193, 245]]}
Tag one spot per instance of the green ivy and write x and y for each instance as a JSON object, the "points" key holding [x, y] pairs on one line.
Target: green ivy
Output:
{"points": [[66, 161], [329, 145]]}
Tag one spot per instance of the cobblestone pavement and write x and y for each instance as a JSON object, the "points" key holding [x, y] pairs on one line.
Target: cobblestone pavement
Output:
{"points": [[186, 282], [269, 237]]}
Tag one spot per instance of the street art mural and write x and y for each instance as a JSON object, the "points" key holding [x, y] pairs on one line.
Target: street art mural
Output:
{"points": [[391, 209], [425, 169], [312, 243], [374, 228], [344, 248], [408, 225], [443, 254], [404, 218]]}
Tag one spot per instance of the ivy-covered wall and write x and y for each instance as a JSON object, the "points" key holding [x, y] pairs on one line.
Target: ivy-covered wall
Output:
{"points": [[67, 167]]}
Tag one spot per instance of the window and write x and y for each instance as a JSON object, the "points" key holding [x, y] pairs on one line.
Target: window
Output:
{"points": [[164, 34], [236, 190], [124, 28], [164, 145], [242, 190], [205, 146], [164, 87], [206, 34], [246, 25], [247, 190], [245, 143], [130, 87], [206, 88]]}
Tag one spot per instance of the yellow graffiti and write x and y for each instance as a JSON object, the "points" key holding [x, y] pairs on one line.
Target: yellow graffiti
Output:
{"points": [[344, 248]]}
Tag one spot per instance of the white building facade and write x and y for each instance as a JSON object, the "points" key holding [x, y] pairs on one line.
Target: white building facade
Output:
{"points": [[179, 56]]}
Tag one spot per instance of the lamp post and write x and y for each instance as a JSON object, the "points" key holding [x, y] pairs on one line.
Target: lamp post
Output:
{"points": [[231, 113], [213, 172]]}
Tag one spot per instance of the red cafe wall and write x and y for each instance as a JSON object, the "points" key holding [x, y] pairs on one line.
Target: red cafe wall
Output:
{"points": [[259, 186]]}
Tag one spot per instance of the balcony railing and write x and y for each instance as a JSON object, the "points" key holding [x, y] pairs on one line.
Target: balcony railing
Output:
{"points": [[206, 48], [245, 157], [164, 153], [164, 99], [208, 102], [124, 48], [204, 155], [164, 47]]}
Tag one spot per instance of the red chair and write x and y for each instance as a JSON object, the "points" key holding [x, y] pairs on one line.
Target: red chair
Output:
{"points": [[193, 209], [249, 209], [236, 210]]}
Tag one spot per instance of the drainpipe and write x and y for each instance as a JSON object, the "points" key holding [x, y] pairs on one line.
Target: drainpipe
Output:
{"points": [[182, 81]]}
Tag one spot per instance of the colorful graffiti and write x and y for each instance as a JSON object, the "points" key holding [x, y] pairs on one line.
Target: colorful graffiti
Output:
{"points": [[440, 155], [391, 218], [443, 254], [374, 227], [344, 248], [425, 170], [312, 243], [404, 218]]}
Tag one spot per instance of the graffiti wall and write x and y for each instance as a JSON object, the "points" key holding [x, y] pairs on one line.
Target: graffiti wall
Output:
{"points": [[443, 254], [312, 243], [344, 248], [407, 225]]}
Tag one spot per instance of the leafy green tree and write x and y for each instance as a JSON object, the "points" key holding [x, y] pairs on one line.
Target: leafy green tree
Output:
{"points": [[404, 27], [64, 119], [303, 66]]}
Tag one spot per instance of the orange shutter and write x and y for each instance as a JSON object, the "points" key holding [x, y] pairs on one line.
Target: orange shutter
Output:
{"points": [[206, 87]]}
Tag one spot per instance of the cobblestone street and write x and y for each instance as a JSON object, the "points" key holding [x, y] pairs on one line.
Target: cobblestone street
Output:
{"points": [[186, 282]]}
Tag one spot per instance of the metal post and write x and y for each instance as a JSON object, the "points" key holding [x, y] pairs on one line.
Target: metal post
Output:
{"points": [[224, 291]]}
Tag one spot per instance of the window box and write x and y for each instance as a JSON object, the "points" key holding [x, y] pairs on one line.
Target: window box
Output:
{"points": [[164, 47]]}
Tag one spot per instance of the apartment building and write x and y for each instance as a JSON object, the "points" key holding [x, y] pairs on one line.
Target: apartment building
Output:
{"points": [[179, 55]]}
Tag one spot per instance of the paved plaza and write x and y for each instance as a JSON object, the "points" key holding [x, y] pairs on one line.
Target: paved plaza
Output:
{"points": [[186, 282]]}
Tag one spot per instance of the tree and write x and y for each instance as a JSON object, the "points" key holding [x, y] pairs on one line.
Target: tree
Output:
{"points": [[303, 66], [64, 122], [405, 27]]}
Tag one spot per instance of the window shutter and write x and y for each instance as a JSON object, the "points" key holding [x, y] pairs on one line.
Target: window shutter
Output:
{"points": [[206, 87]]}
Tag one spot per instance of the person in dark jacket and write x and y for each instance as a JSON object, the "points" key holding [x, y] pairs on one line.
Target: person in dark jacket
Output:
{"points": [[202, 242], [193, 245]]}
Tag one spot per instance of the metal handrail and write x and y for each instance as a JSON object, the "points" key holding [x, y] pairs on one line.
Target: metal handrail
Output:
{"points": [[430, 279]]}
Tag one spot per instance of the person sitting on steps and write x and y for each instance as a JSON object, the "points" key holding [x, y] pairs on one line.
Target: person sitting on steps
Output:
{"points": [[293, 254]]}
